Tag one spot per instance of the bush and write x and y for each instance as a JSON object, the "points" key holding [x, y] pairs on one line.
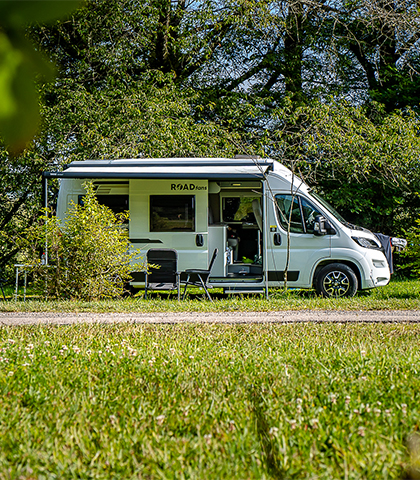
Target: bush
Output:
{"points": [[412, 252], [89, 256]]}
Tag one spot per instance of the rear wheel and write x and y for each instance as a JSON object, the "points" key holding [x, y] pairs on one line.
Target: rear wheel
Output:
{"points": [[336, 280]]}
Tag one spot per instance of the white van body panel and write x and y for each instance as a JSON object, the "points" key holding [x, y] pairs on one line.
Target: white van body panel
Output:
{"points": [[214, 185]]}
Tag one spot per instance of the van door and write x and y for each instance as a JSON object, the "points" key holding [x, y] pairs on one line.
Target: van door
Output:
{"points": [[297, 214], [171, 214]]}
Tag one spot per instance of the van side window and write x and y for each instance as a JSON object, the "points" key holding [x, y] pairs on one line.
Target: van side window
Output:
{"points": [[301, 213], [172, 213], [289, 209], [309, 215], [117, 203]]}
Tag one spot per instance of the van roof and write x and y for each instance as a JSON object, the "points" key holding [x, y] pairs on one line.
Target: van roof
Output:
{"points": [[188, 168]]}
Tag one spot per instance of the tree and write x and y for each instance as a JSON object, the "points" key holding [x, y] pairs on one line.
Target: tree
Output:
{"points": [[367, 168]]}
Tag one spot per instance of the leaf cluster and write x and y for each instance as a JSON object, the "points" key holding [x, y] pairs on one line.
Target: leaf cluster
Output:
{"points": [[89, 257]]}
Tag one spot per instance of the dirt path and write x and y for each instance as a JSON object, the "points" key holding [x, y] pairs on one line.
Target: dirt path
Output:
{"points": [[398, 316]]}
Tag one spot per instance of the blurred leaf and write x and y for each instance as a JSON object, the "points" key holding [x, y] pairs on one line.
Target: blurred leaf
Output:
{"points": [[18, 13], [21, 65]]}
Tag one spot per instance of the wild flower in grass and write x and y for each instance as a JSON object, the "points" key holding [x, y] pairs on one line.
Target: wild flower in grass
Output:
{"points": [[54, 357], [377, 411], [30, 355], [99, 352], [152, 361], [4, 359], [347, 400], [64, 347], [368, 409], [293, 424], [88, 352], [61, 352], [113, 419], [76, 349], [207, 438], [314, 422], [273, 431], [172, 350], [191, 357], [160, 419], [30, 346], [404, 409], [10, 374], [356, 411], [361, 431], [26, 364], [363, 378], [11, 341], [47, 343], [388, 412], [333, 398]]}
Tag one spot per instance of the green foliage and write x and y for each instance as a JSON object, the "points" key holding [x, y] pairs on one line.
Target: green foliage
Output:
{"points": [[88, 257], [126, 401], [397, 295], [412, 252], [143, 120], [20, 65], [364, 162]]}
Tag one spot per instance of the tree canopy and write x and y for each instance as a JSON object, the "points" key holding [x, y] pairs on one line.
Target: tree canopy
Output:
{"points": [[329, 88]]}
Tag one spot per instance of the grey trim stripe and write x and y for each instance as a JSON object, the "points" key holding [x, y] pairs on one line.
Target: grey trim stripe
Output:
{"points": [[145, 240]]}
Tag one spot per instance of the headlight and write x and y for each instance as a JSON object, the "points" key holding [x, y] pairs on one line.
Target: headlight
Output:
{"points": [[367, 243]]}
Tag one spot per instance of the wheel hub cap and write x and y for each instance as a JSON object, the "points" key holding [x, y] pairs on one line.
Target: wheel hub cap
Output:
{"points": [[336, 284]]}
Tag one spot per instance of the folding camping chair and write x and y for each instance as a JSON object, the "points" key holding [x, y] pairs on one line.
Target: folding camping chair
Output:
{"points": [[199, 277], [166, 277]]}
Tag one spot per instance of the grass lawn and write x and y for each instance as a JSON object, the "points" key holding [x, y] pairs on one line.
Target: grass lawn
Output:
{"points": [[307, 401], [398, 295]]}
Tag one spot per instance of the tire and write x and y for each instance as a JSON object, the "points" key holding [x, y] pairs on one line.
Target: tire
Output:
{"points": [[336, 280]]}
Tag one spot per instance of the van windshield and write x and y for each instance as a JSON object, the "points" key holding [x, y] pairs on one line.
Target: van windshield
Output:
{"points": [[330, 208]]}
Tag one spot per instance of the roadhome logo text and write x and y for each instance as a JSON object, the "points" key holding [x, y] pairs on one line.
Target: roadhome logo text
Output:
{"points": [[187, 186]]}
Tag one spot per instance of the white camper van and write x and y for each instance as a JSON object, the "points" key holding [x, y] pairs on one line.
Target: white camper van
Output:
{"points": [[263, 220]]}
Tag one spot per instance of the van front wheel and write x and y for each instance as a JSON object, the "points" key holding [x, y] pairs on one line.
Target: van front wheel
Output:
{"points": [[336, 280]]}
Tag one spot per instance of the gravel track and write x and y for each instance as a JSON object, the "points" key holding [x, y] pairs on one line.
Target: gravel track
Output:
{"points": [[289, 316]]}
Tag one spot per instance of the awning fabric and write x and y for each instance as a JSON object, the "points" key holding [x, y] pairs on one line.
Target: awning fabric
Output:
{"points": [[186, 168]]}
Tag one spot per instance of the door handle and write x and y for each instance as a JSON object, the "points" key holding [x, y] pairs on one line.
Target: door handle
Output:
{"points": [[277, 239], [199, 240]]}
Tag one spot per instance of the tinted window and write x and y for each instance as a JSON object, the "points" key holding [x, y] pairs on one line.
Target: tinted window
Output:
{"points": [[172, 213], [301, 213], [309, 215], [117, 203], [289, 210]]}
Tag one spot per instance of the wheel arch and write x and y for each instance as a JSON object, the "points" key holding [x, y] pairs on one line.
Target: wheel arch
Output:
{"points": [[329, 261]]}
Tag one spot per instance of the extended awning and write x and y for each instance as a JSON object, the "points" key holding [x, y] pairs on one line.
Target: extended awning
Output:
{"points": [[185, 168]]}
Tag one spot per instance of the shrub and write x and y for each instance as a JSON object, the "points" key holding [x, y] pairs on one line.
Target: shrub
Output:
{"points": [[412, 252], [89, 256]]}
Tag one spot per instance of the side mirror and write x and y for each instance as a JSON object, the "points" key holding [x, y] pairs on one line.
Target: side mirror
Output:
{"points": [[322, 226]]}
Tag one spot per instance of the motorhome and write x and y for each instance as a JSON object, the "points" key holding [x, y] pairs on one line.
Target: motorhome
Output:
{"points": [[267, 224]]}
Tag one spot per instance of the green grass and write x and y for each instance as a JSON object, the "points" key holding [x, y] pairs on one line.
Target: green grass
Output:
{"points": [[398, 295], [306, 401]]}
